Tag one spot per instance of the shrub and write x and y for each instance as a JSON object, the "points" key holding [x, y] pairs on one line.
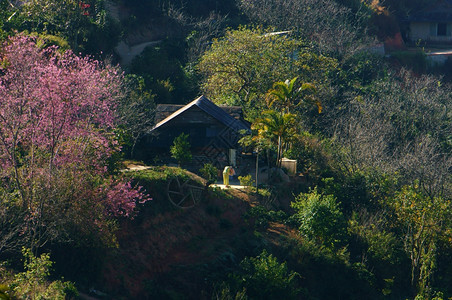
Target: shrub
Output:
{"points": [[415, 60], [263, 216], [313, 155], [381, 244], [223, 292], [180, 150], [4, 292], [320, 218], [33, 284], [209, 172], [264, 277], [246, 180]]}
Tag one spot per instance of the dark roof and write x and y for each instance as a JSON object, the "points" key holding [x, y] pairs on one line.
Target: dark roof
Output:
{"points": [[208, 107], [164, 110], [440, 11]]}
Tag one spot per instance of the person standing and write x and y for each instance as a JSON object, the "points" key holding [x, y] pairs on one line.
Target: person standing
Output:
{"points": [[228, 171]]}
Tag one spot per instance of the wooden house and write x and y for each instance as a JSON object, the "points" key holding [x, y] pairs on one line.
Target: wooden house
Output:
{"points": [[213, 131], [432, 25]]}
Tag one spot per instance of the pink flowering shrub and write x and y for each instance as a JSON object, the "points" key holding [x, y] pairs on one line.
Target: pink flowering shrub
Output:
{"points": [[57, 115], [118, 198]]}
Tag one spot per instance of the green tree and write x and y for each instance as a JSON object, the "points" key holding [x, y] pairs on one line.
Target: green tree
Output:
{"points": [[84, 24], [33, 282], [6, 13], [242, 66], [276, 127], [320, 218], [4, 292], [425, 222], [287, 95], [162, 70], [264, 277], [209, 172], [180, 150]]}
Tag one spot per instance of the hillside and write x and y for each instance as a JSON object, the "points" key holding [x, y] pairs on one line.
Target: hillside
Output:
{"points": [[169, 253], [365, 213], [173, 251]]}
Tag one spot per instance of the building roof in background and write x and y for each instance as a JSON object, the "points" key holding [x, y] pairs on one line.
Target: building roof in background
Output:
{"points": [[440, 11]]}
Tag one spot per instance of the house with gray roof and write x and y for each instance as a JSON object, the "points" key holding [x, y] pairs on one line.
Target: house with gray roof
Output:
{"points": [[432, 24], [213, 131]]}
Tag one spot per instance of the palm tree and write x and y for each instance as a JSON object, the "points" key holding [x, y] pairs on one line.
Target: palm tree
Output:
{"points": [[276, 127], [287, 95]]}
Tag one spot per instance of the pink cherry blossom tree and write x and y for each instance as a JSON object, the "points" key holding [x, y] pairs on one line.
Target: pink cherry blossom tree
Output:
{"points": [[57, 117]]}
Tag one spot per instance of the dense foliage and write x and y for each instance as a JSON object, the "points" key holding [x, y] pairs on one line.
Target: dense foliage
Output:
{"points": [[180, 150], [263, 277], [33, 282], [57, 118], [242, 66], [369, 215], [320, 218]]}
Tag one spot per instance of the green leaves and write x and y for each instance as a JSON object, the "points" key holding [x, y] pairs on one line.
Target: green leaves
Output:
{"points": [[209, 172], [249, 67], [288, 95], [320, 218], [33, 283], [265, 278], [275, 127], [425, 222], [180, 150]]}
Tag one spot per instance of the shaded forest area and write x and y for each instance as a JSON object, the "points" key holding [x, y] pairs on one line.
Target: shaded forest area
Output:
{"points": [[367, 217]]}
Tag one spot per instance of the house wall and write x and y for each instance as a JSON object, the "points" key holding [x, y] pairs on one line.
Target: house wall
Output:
{"points": [[200, 135], [427, 31], [209, 139], [210, 143], [419, 31]]}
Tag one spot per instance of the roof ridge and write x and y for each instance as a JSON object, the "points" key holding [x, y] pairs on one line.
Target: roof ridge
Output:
{"points": [[210, 108]]}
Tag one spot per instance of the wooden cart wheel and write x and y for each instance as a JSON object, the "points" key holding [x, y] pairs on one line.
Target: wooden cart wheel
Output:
{"points": [[184, 195]]}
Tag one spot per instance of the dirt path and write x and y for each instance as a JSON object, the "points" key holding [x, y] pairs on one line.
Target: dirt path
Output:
{"points": [[135, 168], [231, 186], [126, 52]]}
